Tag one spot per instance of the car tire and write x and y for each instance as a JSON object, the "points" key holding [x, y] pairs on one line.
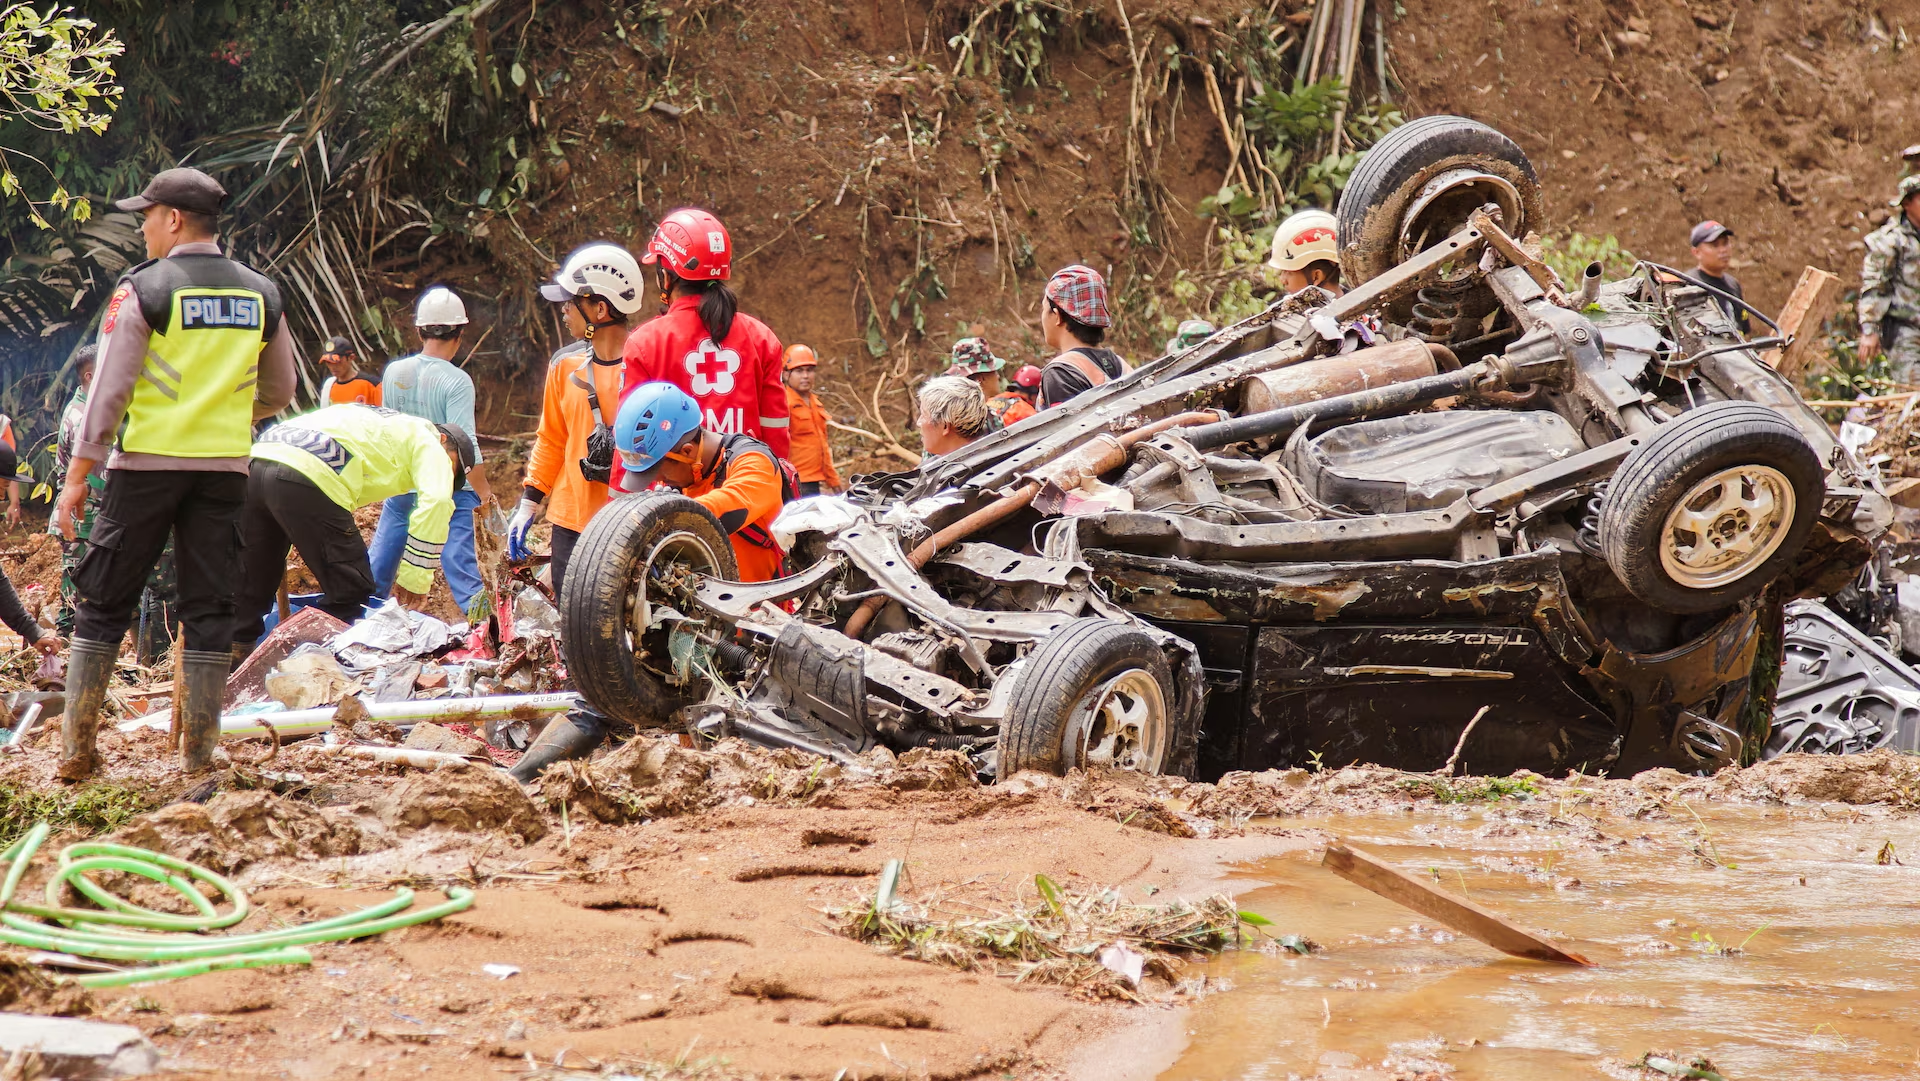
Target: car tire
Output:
{"points": [[1098, 693], [1711, 507], [1387, 187], [601, 611]]}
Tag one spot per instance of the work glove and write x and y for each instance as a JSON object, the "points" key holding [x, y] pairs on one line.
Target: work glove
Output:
{"points": [[523, 516]]}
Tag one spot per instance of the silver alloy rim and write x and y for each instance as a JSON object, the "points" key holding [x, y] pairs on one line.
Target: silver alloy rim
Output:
{"points": [[1126, 728], [1727, 526], [680, 546]]}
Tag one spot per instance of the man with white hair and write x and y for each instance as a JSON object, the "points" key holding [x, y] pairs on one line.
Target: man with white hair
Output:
{"points": [[953, 412], [428, 385]]}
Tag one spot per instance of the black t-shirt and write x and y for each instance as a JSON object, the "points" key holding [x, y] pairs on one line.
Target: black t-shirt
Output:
{"points": [[1727, 284], [1060, 380]]}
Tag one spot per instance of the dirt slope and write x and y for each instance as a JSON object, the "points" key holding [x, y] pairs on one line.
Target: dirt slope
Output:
{"points": [[1782, 119]]}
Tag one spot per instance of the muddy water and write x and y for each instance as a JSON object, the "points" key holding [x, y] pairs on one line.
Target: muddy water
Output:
{"points": [[1825, 982]]}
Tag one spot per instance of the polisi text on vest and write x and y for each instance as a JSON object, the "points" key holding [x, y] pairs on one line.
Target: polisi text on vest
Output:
{"points": [[216, 311]]}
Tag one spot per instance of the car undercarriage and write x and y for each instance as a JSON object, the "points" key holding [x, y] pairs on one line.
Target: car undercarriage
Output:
{"points": [[1570, 514]]}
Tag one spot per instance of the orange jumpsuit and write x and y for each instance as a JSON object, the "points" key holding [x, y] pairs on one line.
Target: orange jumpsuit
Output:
{"points": [[812, 458], [1011, 408], [565, 422], [745, 493]]}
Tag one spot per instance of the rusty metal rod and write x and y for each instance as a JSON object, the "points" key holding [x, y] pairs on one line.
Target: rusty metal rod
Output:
{"points": [[1389, 399]]}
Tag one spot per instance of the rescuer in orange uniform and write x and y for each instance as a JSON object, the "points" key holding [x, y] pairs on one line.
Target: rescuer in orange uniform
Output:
{"points": [[811, 455], [600, 286], [662, 437]]}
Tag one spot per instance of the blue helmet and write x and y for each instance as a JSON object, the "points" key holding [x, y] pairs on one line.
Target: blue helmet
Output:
{"points": [[655, 419]]}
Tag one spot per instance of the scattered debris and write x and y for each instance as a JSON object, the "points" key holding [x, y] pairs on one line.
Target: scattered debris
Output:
{"points": [[76, 1050], [1094, 943]]}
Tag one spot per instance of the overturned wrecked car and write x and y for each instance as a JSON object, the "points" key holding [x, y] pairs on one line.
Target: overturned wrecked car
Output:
{"points": [[1332, 533]]}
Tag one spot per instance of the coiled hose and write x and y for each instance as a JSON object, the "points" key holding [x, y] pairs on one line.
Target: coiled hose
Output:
{"points": [[120, 930]]}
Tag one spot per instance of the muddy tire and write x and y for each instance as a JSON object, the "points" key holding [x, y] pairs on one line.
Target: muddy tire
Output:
{"points": [[1099, 693], [604, 610], [1711, 508], [1387, 214]]}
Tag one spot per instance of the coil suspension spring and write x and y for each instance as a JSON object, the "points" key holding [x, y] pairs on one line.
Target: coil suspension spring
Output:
{"points": [[1588, 535], [1436, 310]]}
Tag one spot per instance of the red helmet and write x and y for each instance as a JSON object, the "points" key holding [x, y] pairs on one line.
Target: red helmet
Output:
{"points": [[693, 244], [1028, 376]]}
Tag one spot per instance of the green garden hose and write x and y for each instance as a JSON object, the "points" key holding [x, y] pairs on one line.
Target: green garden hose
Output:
{"points": [[120, 930]]}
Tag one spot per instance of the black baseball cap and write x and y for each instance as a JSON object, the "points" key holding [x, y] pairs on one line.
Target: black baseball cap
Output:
{"points": [[183, 189], [10, 466], [463, 449], [339, 346], [1706, 233]]}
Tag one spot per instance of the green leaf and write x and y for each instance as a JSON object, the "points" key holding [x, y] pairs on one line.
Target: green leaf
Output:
{"points": [[1255, 919], [1050, 893], [518, 74]]}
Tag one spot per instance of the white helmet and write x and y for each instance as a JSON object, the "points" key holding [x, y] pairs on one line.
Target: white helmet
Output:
{"points": [[1303, 239], [439, 307], [607, 270]]}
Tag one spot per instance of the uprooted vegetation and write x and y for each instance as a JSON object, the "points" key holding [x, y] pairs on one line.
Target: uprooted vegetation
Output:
{"points": [[1094, 943]]}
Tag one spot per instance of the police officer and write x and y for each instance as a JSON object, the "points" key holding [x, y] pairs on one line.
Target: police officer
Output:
{"points": [[1890, 287], [194, 348]]}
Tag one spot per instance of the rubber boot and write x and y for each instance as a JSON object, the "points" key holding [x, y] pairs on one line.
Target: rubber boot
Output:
{"points": [[205, 674], [572, 736], [89, 666]]}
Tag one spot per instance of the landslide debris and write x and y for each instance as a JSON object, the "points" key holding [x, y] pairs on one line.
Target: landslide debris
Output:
{"points": [[234, 829], [652, 777], [464, 798]]}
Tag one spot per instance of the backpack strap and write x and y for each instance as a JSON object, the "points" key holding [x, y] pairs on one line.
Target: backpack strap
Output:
{"points": [[593, 393], [1084, 364]]}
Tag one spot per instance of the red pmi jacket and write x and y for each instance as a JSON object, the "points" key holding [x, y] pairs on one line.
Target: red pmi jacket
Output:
{"points": [[736, 382]]}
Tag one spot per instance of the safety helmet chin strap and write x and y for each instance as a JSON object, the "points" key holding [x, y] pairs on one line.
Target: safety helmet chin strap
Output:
{"points": [[665, 278], [580, 305]]}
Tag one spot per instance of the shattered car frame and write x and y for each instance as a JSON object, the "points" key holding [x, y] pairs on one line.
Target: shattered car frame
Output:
{"points": [[1303, 540]]}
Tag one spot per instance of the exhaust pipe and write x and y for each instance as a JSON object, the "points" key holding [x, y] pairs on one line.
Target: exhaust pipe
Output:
{"points": [[1589, 287]]}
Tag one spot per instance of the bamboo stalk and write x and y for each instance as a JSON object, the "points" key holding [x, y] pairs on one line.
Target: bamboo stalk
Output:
{"points": [[1349, 55], [1309, 68]]}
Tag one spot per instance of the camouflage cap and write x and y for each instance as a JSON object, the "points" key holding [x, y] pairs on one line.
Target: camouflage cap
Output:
{"points": [[1909, 187], [976, 357]]}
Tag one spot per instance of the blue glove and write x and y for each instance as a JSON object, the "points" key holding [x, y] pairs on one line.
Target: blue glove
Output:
{"points": [[523, 516]]}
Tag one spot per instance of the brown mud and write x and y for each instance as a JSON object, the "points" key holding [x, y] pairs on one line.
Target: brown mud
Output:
{"points": [[677, 915]]}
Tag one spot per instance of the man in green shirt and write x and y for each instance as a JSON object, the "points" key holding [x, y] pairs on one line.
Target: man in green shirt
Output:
{"points": [[309, 475]]}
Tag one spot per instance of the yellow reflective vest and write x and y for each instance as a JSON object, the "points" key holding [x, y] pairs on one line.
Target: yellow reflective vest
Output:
{"points": [[210, 318], [359, 455]]}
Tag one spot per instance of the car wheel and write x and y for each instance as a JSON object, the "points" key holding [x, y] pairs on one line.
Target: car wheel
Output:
{"points": [[1099, 693], [610, 602], [1711, 508], [1415, 188]]}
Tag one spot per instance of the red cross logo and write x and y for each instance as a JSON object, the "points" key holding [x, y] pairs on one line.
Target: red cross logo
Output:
{"points": [[711, 368]]}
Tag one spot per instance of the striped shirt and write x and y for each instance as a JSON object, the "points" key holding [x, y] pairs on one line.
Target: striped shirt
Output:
{"points": [[429, 387]]}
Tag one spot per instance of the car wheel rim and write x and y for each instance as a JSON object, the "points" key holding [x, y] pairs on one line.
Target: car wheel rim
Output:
{"points": [[671, 556], [1126, 724], [1726, 526]]}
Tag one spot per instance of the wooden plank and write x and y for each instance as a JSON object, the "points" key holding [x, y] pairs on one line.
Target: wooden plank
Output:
{"points": [[1371, 873], [1808, 308]]}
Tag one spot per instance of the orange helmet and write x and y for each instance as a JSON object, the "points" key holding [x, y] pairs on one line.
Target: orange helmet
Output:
{"points": [[799, 356]]}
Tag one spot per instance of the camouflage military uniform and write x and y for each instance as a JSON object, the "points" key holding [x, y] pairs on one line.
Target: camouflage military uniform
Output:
{"points": [[72, 551], [1890, 288]]}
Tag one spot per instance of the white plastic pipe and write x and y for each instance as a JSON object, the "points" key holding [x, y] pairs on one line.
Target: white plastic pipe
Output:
{"points": [[296, 722], [410, 756]]}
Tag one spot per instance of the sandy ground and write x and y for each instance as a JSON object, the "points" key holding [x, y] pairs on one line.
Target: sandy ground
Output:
{"points": [[673, 913]]}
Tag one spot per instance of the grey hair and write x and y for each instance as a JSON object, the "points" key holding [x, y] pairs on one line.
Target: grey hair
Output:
{"points": [[956, 402]]}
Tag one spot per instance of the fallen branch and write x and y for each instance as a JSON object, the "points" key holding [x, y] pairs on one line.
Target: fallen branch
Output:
{"points": [[887, 446], [1453, 759]]}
